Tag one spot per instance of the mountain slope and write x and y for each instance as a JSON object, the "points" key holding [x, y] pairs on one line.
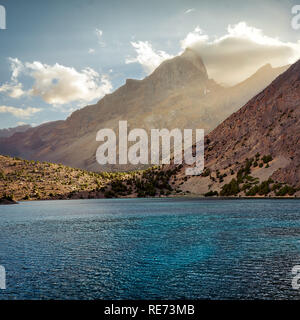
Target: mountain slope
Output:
{"points": [[178, 94], [261, 140], [34, 180], [30, 180]]}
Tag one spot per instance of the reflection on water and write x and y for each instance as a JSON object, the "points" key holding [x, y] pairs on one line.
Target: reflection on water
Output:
{"points": [[150, 249]]}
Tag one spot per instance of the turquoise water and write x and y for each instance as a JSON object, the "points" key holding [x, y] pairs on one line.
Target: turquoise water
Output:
{"points": [[150, 249]]}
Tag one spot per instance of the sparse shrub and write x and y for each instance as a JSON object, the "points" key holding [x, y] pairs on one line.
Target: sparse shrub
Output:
{"points": [[109, 194], [267, 159], [264, 188], [230, 189], [206, 172], [2, 175], [285, 190]]}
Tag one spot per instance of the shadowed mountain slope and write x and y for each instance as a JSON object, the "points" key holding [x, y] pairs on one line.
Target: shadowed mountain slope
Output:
{"points": [[260, 140]]}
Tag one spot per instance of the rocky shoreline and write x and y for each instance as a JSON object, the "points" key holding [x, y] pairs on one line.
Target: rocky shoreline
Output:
{"points": [[6, 201]]}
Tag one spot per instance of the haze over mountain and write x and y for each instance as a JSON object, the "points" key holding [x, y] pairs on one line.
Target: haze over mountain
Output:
{"points": [[178, 94], [266, 131], [6, 133]]}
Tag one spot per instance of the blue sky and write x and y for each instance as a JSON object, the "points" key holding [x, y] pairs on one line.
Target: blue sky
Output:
{"points": [[101, 43]]}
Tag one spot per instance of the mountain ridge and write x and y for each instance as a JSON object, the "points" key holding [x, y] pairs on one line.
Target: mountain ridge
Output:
{"points": [[6, 133], [178, 94]]}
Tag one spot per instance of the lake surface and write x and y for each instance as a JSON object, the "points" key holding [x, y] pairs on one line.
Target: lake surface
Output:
{"points": [[150, 249]]}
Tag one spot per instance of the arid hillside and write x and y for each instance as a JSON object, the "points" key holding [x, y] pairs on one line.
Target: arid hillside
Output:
{"points": [[256, 150], [30, 180]]}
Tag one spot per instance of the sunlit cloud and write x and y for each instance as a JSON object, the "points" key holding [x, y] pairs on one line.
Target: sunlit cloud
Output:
{"points": [[236, 55], [57, 84], [149, 58], [12, 90], [21, 123], [16, 68], [19, 112]]}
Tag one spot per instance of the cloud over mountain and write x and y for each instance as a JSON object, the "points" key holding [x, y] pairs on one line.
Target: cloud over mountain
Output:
{"points": [[230, 58], [243, 49], [148, 57]]}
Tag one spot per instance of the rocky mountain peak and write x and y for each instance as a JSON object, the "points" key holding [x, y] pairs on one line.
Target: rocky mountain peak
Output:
{"points": [[193, 57], [180, 71]]}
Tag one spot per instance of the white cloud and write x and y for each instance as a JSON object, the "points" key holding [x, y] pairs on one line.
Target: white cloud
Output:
{"points": [[99, 34], [18, 112], [16, 67], [147, 56], [189, 10], [230, 58], [91, 51], [239, 53], [57, 84], [60, 85], [193, 38], [13, 90]]}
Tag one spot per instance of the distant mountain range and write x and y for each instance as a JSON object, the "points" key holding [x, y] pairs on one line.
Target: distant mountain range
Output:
{"points": [[253, 153], [6, 133], [178, 94], [256, 150]]}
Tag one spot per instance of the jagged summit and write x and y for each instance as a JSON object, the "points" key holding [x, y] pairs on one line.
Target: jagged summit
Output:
{"points": [[267, 66], [180, 71], [192, 56]]}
